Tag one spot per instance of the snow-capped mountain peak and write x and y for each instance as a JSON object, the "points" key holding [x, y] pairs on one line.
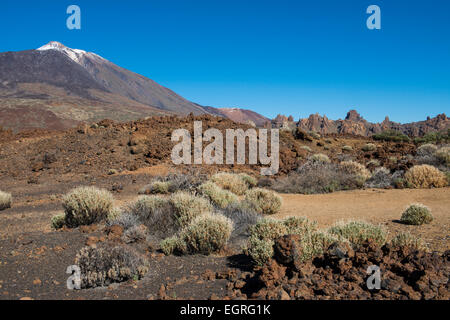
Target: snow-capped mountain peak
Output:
{"points": [[74, 54]]}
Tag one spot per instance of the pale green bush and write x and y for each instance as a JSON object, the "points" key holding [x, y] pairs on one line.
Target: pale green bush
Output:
{"points": [[187, 207], [357, 232], [320, 157], [207, 234], [369, 147], [87, 205], [218, 196], [249, 180], [161, 187], [408, 240], [443, 155], [259, 250], [58, 221], [5, 200], [417, 214], [347, 148], [231, 182], [263, 201]]}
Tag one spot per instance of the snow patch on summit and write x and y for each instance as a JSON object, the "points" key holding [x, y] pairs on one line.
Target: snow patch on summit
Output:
{"points": [[74, 54]]}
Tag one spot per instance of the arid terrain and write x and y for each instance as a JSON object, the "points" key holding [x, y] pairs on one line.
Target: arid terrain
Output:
{"points": [[39, 167]]}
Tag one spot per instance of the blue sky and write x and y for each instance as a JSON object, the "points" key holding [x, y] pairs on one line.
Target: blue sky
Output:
{"points": [[290, 57]]}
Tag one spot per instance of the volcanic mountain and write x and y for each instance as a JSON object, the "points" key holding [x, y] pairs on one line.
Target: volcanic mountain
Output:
{"points": [[57, 87]]}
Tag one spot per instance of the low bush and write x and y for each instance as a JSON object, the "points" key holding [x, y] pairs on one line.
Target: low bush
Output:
{"points": [[87, 205], [408, 240], [259, 250], [161, 187], [357, 232], [434, 137], [263, 201], [249, 180], [231, 182], [443, 155], [218, 196], [369, 147], [135, 234], [317, 177], [355, 168], [58, 221], [174, 182], [391, 135], [347, 148], [207, 234], [5, 200], [243, 218], [417, 214], [425, 176], [101, 266], [308, 149], [319, 157], [187, 207]]}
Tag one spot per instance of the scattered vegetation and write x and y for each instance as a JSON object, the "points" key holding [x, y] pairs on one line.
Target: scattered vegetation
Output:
{"points": [[249, 180], [357, 232], [381, 178], [5, 200], [347, 148], [263, 201], [425, 176], [86, 205], [443, 155], [318, 177], [101, 266], [434, 137], [174, 182], [391, 135], [417, 214]]}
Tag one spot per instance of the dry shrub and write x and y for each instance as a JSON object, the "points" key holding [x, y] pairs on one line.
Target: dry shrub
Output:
{"points": [[207, 234], [101, 266], [426, 149], [231, 182], [263, 201], [87, 205], [381, 178], [417, 214], [347, 148], [355, 168], [425, 176], [243, 218], [249, 180], [5, 200], [135, 234], [317, 177], [407, 240], [357, 232], [174, 182], [218, 196]]}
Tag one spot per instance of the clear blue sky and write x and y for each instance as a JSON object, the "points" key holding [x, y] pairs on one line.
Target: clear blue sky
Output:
{"points": [[291, 57]]}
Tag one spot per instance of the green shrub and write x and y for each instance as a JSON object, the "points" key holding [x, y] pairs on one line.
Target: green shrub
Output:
{"points": [[391, 135], [145, 206], [369, 147], [58, 221], [434, 137], [161, 187], [319, 157], [218, 196], [416, 214], [443, 155], [347, 148], [357, 232], [249, 180], [5, 200], [299, 225], [231, 182], [425, 176], [259, 250], [87, 205], [263, 201], [408, 240], [268, 229], [207, 234], [187, 207]]}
